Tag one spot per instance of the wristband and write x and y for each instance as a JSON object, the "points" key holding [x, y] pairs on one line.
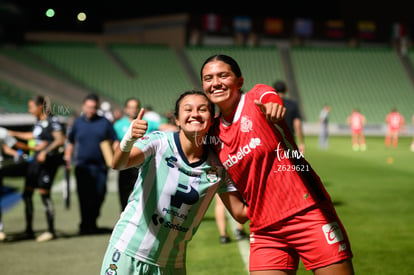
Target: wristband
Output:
{"points": [[126, 145], [127, 141]]}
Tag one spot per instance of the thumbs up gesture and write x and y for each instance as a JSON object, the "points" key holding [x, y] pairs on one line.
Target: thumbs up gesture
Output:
{"points": [[136, 130], [138, 126]]}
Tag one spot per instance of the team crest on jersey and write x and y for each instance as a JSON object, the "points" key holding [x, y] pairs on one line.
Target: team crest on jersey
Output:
{"points": [[212, 175], [111, 270], [246, 124], [144, 140]]}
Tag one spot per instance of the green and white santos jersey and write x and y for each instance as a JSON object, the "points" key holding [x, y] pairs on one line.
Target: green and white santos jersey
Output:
{"points": [[168, 202]]}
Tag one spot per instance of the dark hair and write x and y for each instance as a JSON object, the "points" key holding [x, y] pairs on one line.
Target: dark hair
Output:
{"points": [[193, 92], [130, 99], [226, 59], [148, 108], [40, 100], [93, 97], [280, 86]]}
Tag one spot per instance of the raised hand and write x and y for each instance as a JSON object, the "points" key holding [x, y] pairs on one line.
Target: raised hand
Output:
{"points": [[136, 130], [138, 126], [274, 112]]}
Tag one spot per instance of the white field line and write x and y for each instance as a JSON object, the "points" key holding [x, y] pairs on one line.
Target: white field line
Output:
{"points": [[244, 245]]}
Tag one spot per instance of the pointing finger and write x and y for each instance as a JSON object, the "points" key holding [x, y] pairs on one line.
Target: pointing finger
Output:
{"points": [[260, 105]]}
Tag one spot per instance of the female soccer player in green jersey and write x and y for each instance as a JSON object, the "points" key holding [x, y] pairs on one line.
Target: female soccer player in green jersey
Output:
{"points": [[178, 177]]}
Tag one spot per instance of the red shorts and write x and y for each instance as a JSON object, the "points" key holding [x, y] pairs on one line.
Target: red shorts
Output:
{"points": [[393, 130], [356, 131], [315, 235]]}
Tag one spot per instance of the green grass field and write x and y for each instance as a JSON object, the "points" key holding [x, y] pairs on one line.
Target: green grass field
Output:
{"points": [[372, 192]]}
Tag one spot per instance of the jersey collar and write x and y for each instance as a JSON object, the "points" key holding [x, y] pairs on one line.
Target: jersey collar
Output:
{"points": [[182, 155], [237, 114]]}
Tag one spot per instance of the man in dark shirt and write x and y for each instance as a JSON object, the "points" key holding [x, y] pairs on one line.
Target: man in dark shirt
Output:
{"points": [[85, 137], [293, 117]]}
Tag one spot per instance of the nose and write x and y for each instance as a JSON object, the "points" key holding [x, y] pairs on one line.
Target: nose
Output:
{"points": [[216, 81], [195, 113]]}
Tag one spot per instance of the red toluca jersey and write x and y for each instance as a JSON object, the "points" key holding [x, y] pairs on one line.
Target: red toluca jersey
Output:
{"points": [[264, 162]]}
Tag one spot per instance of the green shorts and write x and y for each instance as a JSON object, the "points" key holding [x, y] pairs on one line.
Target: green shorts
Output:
{"points": [[116, 262]]}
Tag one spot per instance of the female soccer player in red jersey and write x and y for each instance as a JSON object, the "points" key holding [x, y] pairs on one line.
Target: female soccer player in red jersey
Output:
{"points": [[395, 122], [357, 121], [292, 216]]}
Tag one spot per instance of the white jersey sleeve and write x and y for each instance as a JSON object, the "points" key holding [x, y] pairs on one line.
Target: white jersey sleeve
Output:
{"points": [[168, 202]]}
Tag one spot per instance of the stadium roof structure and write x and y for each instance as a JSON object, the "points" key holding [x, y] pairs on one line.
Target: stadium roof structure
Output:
{"points": [[32, 13]]}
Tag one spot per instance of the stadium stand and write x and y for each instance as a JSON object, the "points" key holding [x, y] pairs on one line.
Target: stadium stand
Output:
{"points": [[258, 64], [159, 77], [156, 77], [410, 58], [20, 54], [370, 79], [12, 98], [19, 74]]}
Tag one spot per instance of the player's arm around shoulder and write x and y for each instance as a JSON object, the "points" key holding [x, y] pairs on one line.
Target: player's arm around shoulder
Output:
{"points": [[235, 205]]}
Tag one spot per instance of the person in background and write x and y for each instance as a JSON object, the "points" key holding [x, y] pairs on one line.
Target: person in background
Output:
{"points": [[105, 110], [155, 121], [10, 146], [126, 177], [49, 137], [221, 221], [291, 214], [293, 115], [118, 114], [395, 122], [357, 121], [169, 116], [84, 147], [324, 123], [178, 177]]}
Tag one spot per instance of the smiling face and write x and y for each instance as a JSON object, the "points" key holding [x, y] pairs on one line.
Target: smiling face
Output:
{"points": [[221, 85], [194, 115]]}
